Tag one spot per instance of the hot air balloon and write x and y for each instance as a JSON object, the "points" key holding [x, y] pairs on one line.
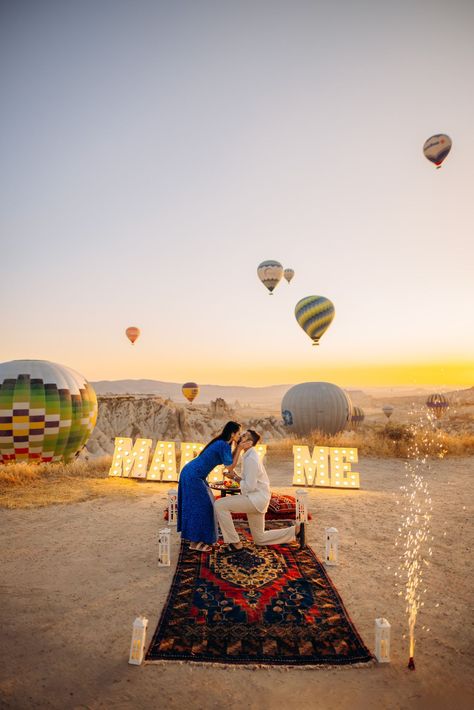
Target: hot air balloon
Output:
{"points": [[270, 273], [190, 390], [437, 148], [438, 404], [132, 333], [312, 406], [387, 409], [288, 274], [48, 411], [314, 314], [357, 417]]}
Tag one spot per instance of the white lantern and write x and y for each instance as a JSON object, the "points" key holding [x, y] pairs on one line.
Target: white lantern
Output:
{"points": [[301, 505], [332, 540], [164, 553], [137, 647], [172, 506], [382, 640]]}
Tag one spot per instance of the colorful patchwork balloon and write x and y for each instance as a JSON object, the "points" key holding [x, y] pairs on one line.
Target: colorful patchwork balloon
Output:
{"points": [[270, 273], [314, 314], [438, 404], [437, 148], [47, 411], [190, 390]]}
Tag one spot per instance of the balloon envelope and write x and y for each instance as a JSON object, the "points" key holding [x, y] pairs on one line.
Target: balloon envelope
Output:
{"points": [[48, 411], [314, 314], [270, 273], [387, 410], [438, 404], [288, 274], [190, 390], [436, 148], [316, 406], [357, 416], [132, 333]]}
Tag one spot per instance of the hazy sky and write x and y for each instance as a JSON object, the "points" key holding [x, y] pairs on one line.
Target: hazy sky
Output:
{"points": [[153, 153]]}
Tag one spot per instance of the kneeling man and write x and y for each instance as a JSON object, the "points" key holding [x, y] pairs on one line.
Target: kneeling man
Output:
{"points": [[253, 501]]}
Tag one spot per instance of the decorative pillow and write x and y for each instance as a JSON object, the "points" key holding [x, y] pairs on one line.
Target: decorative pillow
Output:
{"points": [[282, 504], [281, 507]]}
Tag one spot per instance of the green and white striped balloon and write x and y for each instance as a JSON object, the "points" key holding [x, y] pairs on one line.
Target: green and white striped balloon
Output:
{"points": [[47, 411]]}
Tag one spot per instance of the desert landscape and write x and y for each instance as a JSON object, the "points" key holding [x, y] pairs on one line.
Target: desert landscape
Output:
{"points": [[236, 263], [79, 563]]}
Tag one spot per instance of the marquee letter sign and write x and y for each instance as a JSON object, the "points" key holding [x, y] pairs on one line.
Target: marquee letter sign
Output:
{"points": [[128, 461], [328, 466]]}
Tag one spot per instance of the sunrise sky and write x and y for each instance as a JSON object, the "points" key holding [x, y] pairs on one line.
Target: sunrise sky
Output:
{"points": [[154, 153]]}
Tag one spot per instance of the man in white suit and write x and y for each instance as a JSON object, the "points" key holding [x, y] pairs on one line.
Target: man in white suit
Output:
{"points": [[254, 500]]}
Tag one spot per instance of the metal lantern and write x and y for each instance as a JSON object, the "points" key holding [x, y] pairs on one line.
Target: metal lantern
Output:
{"points": [[332, 541], [172, 506], [301, 505], [164, 552], [382, 640], [137, 647]]}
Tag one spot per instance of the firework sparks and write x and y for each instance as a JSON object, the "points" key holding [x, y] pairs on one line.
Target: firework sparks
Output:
{"points": [[414, 532]]}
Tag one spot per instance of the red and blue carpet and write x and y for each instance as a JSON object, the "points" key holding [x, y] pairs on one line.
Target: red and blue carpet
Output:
{"points": [[270, 605]]}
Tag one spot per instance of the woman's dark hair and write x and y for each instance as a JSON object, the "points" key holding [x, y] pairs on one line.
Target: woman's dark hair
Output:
{"points": [[254, 436], [229, 429]]}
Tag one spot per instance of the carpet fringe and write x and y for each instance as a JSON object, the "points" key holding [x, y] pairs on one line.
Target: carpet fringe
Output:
{"points": [[262, 666]]}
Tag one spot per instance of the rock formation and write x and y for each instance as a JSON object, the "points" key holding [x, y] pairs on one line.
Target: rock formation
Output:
{"points": [[157, 418]]}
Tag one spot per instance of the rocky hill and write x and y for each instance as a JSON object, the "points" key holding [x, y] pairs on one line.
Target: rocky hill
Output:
{"points": [[158, 418]]}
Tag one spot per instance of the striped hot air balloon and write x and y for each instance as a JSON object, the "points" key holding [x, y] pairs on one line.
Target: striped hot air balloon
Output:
{"points": [[270, 273], [387, 409], [288, 274], [357, 417], [190, 390], [436, 148], [314, 314], [48, 411], [132, 333], [316, 406], [438, 404]]}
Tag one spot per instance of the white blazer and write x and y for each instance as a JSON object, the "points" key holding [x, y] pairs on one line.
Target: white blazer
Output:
{"points": [[255, 483]]}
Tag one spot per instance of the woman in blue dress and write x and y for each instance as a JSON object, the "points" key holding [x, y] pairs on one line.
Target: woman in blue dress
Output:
{"points": [[196, 521]]}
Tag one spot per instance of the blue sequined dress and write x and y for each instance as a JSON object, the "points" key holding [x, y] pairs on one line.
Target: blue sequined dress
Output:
{"points": [[196, 521]]}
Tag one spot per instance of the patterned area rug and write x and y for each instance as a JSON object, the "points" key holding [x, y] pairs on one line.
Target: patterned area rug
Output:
{"points": [[271, 605]]}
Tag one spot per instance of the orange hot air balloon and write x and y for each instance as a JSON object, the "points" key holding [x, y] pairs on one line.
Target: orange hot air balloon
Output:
{"points": [[132, 333], [190, 390]]}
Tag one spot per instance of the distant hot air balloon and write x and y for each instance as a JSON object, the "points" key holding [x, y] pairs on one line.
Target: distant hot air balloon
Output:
{"points": [[357, 417], [387, 410], [190, 390], [316, 406], [270, 273], [132, 333], [437, 148], [48, 411], [288, 274], [314, 314], [438, 404]]}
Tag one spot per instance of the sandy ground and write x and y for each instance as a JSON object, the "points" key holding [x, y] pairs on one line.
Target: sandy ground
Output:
{"points": [[75, 576]]}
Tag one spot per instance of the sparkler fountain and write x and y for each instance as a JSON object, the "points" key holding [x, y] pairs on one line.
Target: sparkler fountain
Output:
{"points": [[414, 532]]}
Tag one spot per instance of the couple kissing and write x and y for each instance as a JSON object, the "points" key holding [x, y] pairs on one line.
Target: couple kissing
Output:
{"points": [[198, 514]]}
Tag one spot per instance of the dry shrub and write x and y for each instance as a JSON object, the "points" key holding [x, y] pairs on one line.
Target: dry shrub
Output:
{"points": [[23, 474], [382, 442]]}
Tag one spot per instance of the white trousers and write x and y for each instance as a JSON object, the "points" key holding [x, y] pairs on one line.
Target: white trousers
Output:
{"points": [[242, 504]]}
